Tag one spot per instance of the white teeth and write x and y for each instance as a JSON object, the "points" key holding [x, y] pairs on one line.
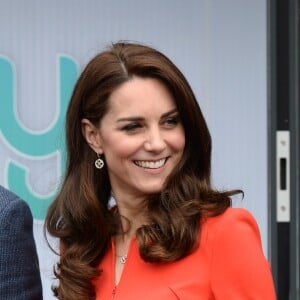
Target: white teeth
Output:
{"points": [[150, 164]]}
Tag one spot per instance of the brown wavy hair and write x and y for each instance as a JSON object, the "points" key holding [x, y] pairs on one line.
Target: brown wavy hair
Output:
{"points": [[79, 216]]}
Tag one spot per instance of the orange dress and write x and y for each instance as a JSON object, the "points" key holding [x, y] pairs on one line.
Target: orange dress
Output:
{"points": [[229, 264]]}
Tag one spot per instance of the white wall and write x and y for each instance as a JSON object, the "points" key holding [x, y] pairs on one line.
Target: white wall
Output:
{"points": [[219, 45]]}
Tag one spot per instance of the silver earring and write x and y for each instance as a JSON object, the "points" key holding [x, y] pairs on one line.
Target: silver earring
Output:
{"points": [[99, 163]]}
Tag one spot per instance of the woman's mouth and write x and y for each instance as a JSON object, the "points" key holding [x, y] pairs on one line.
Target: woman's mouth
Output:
{"points": [[151, 164]]}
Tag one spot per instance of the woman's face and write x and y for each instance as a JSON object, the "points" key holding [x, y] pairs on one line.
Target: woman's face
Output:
{"points": [[141, 137]]}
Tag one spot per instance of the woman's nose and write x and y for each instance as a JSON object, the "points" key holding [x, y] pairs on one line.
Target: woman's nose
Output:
{"points": [[154, 140]]}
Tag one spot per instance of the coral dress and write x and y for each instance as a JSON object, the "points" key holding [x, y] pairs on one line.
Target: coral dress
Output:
{"points": [[229, 264]]}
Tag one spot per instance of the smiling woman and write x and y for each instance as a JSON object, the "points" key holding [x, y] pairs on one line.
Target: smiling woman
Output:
{"points": [[171, 235], [141, 138]]}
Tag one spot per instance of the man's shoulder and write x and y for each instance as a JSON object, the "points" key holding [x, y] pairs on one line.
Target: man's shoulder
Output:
{"points": [[6, 198], [9, 201]]}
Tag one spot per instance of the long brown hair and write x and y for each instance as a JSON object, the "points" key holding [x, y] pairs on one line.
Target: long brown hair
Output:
{"points": [[80, 217]]}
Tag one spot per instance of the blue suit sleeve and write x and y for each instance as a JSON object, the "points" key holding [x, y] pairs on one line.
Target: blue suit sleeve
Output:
{"points": [[19, 267]]}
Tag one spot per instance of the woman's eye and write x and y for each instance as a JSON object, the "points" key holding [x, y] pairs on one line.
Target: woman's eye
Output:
{"points": [[131, 127], [170, 121]]}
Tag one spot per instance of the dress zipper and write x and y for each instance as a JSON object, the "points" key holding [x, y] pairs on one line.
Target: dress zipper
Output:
{"points": [[113, 292]]}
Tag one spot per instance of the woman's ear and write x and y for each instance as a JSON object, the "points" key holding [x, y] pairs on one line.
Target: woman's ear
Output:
{"points": [[92, 135]]}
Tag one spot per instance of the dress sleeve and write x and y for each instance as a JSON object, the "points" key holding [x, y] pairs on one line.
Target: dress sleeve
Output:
{"points": [[239, 267]]}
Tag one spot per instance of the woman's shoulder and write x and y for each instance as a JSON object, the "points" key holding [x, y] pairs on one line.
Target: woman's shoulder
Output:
{"points": [[234, 222], [232, 215]]}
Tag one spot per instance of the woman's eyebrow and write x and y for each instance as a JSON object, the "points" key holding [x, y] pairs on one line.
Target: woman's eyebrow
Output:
{"points": [[169, 112], [138, 119], [128, 119]]}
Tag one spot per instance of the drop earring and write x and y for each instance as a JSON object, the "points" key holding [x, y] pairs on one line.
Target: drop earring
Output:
{"points": [[99, 163]]}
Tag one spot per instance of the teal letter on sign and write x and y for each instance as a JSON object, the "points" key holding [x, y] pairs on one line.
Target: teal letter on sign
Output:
{"points": [[38, 146]]}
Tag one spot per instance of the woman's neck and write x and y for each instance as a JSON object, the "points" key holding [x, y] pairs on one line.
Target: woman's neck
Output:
{"points": [[133, 214]]}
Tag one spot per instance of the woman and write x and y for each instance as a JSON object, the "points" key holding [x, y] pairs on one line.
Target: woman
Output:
{"points": [[136, 135]]}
